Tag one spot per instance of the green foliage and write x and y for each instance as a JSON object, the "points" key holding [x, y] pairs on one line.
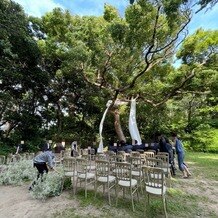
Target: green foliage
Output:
{"points": [[18, 173], [110, 13], [202, 139], [199, 46], [67, 183], [22, 79], [50, 185], [6, 149], [58, 72]]}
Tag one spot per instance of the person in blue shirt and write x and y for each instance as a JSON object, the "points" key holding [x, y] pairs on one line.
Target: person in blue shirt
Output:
{"points": [[180, 154], [41, 161]]}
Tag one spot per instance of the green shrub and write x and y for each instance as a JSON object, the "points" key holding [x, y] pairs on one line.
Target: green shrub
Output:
{"points": [[203, 139], [6, 149], [49, 185], [67, 183], [17, 173]]}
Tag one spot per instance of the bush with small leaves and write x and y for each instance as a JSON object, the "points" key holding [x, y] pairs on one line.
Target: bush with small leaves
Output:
{"points": [[18, 173], [49, 185]]}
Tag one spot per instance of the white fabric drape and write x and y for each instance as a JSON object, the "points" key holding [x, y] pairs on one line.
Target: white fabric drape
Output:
{"points": [[100, 147], [133, 129]]}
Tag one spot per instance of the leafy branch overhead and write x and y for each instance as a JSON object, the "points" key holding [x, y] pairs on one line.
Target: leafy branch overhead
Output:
{"points": [[202, 3], [58, 71]]}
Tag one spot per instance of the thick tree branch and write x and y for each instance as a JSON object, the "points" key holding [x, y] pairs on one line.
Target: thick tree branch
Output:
{"points": [[172, 93], [153, 36], [167, 50], [175, 38]]}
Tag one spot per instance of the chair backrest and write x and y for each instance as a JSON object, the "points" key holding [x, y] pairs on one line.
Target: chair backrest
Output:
{"points": [[84, 151], [69, 164], [120, 158], [2, 159], [9, 158], [134, 154], [149, 154], [87, 157], [31, 156], [164, 158], [24, 156], [141, 151], [123, 171], [100, 156], [58, 156], [102, 168], [136, 164], [154, 177], [109, 153], [154, 162], [162, 153], [65, 153], [151, 150], [17, 158], [82, 165], [121, 153]]}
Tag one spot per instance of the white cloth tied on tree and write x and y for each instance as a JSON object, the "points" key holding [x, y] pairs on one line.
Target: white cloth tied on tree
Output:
{"points": [[133, 129], [100, 147]]}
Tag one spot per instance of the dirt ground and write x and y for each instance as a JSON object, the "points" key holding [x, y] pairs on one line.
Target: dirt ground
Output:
{"points": [[17, 202]]}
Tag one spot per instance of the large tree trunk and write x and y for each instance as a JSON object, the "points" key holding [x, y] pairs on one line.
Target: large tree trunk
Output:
{"points": [[117, 125]]}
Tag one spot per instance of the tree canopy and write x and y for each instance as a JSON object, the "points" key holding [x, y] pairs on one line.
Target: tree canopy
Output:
{"points": [[57, 72]]}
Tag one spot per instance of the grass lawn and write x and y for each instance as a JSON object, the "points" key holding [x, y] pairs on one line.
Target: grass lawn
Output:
{"points": [[193, 197]]}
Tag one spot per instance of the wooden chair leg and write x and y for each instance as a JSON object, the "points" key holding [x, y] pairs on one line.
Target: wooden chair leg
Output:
{"points": [[109, 197], [164, 205], [74, 185], [133, 208], [137, 193], [96, 187], [75, 188], [85, 189], [116, 195]]}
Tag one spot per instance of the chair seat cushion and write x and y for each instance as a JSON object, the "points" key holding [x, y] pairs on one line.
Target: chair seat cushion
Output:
{"points": [[106, 179], [155, 190], [90, 167], [165, 169], [89, 176], [126, 183], [136, 173], [70, 174]]}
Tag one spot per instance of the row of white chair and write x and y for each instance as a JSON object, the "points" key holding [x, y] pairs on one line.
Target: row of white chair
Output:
{"points": [[116, 175]]}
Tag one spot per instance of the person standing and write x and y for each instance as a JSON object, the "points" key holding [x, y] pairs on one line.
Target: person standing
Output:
{"points": [[180, 154], [21, 148]]}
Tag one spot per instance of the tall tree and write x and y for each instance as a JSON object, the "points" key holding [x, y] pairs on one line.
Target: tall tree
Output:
{"points": [[22, 80]]}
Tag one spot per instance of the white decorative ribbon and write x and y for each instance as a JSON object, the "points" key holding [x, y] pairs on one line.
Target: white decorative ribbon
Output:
{"points": [[100, 147], [133, 129]]}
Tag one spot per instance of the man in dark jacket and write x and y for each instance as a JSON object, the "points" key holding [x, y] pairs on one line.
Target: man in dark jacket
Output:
{"points": [[165, 146]]}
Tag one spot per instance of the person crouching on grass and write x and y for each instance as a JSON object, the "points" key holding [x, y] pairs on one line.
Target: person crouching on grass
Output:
{"points": [[40, 162]]}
